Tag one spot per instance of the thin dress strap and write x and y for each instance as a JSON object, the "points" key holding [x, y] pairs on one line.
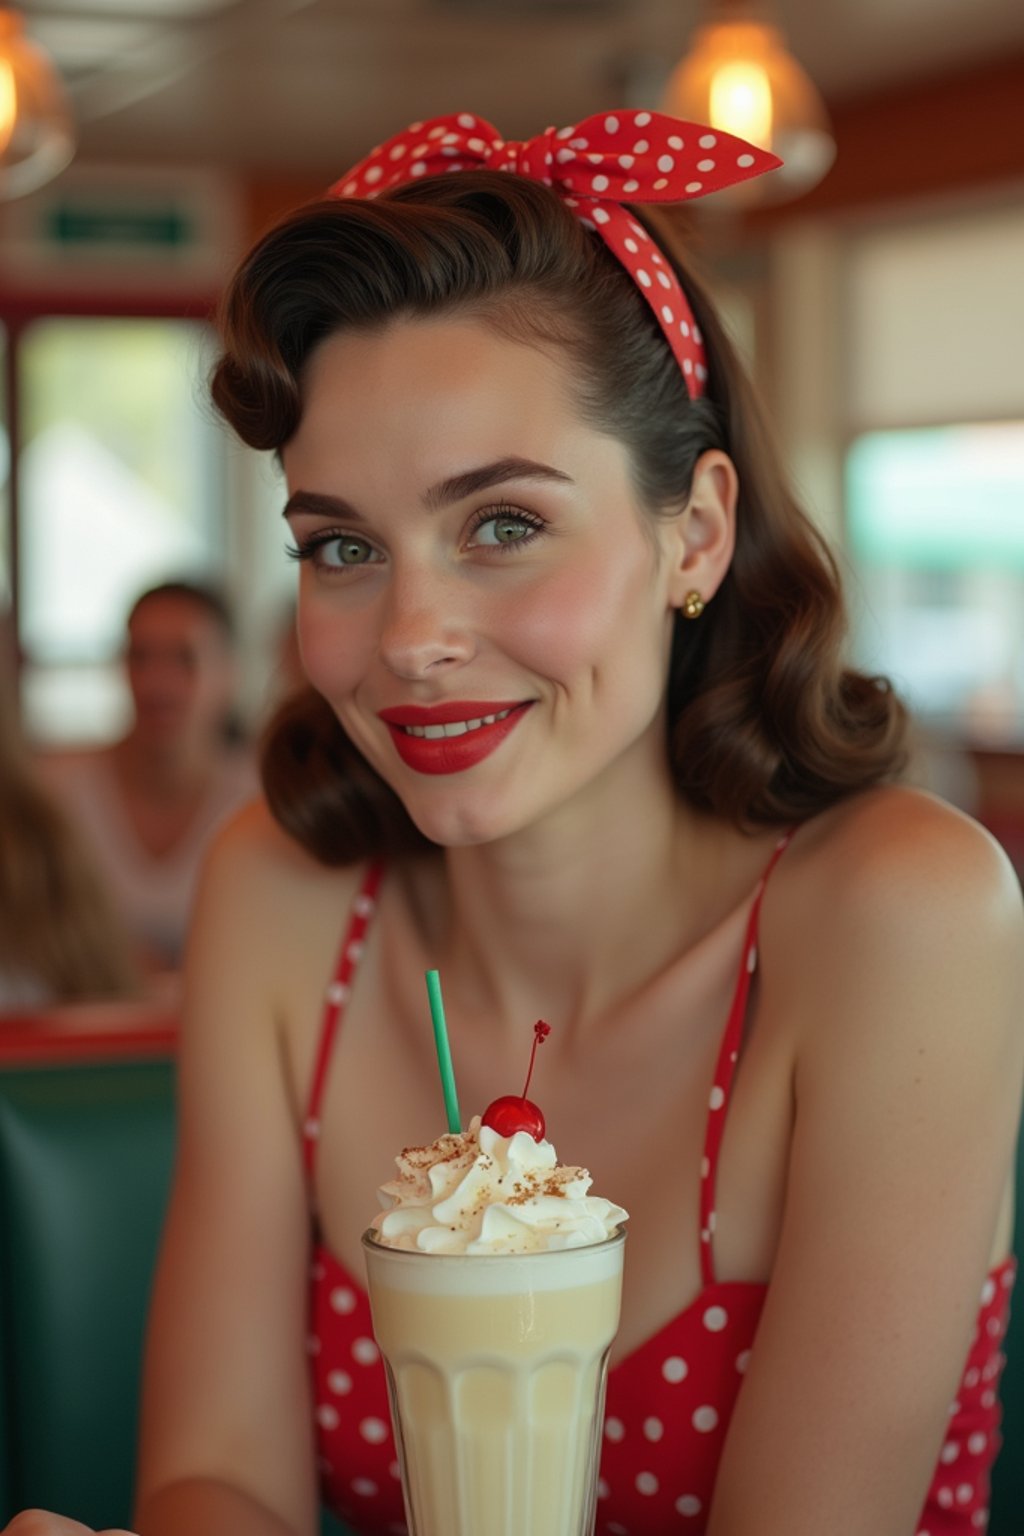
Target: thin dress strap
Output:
{"points": [[337, 995], [725, 1070]]}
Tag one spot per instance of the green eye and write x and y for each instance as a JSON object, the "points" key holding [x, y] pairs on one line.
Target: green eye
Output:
{"points": [[346, 552], [335, 551], [508, 530], [504, 529]]}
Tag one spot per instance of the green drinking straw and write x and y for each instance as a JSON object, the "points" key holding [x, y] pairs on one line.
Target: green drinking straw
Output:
{"points": [[444, 1055]]}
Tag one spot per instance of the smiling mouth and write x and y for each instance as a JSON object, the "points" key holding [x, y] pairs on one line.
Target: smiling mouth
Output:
{"points": [[454, 727], [431, 745]]}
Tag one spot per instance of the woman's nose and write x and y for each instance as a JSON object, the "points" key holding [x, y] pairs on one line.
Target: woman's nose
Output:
{"points": [[426, 626]]}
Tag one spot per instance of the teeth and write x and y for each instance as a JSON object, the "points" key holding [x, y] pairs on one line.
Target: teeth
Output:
{"points": [[455, 728]]}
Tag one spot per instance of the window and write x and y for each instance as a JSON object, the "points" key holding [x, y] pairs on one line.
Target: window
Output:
{"points": [[935, 521], [120, 486], [934, 476]]}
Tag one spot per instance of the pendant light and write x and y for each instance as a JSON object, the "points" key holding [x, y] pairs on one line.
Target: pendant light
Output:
{"points": [[37, 138], [738, 76]]}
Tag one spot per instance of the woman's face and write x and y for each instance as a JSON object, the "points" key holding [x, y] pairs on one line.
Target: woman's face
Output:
{"points": [[472, 549], [180, 672]]}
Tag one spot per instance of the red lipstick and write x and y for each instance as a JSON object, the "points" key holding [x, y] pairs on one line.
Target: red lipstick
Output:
{"points": [[424, 746]]}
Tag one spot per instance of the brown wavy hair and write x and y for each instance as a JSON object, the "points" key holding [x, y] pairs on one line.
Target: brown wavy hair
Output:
{"points": [[58, 930], [766, 724]]}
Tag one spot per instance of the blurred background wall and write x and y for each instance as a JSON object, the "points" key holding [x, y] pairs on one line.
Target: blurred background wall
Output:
{"points": [[882, 313]]}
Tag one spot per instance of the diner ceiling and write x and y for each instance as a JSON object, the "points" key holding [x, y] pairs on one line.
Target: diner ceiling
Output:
{"points": [[305, 86]]}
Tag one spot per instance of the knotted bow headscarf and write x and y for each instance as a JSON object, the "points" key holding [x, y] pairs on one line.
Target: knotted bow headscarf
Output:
{"points": [[596, 168]]}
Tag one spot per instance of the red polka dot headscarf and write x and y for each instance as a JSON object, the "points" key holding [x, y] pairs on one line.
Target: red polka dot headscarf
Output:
{"points": [[596, 167]]}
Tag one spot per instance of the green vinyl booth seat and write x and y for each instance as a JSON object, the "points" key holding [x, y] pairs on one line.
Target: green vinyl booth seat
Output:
{"points": [[85, 1156], [85, 1164], [85, 1161]]}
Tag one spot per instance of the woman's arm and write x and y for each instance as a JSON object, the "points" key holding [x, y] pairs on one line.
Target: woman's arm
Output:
{"points": [[227, 1421], [904, 978]]}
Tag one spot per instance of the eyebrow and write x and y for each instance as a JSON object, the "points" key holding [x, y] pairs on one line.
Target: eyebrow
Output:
{"points": [[458, 487], [455, 488]]}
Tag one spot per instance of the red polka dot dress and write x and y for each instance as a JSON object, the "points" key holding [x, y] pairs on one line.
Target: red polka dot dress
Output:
{"points": [[668, 1403]]}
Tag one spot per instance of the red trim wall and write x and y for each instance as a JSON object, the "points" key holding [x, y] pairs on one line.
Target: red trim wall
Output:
{"points": [[87, 1032]]}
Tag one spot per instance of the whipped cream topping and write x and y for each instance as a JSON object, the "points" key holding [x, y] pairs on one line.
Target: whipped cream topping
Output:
{"points": [[478, 1192]]}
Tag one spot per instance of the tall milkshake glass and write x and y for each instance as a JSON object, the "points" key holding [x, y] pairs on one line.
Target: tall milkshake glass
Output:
{"points": [[496, 1367]]}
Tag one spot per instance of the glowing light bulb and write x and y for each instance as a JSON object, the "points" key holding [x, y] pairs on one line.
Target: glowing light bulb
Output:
{"points": [[740, 101], [739, 77], [36, 133], [8, 103]]}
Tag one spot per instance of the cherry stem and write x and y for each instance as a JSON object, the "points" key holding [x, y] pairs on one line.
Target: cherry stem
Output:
{"points": [[540, 1034]]}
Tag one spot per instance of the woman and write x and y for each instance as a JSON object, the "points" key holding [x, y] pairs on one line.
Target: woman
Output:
{"points": [[150, 803], [59, 938], [580, 710]]}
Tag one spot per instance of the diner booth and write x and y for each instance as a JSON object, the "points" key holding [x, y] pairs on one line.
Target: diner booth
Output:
{"points": [[86, 1148], [86, 1143], [874, 312]]}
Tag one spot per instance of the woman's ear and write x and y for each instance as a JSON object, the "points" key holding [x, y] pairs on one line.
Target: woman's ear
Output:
{"points": [[703, 535]]}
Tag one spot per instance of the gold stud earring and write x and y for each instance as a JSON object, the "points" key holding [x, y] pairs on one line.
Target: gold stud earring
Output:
{"points": [[693, 605]]}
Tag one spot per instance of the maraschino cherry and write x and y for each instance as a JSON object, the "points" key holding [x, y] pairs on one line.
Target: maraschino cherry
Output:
{"points": [[509, 1113]]}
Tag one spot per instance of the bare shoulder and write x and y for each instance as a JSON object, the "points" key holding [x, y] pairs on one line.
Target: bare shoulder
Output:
{"points": [[899, 916], [252, 856], [268, 913], [898, 853], [251, 840]]}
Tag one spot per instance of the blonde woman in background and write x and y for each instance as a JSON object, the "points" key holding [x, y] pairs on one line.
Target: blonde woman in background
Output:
{"points": [[59, 938]]}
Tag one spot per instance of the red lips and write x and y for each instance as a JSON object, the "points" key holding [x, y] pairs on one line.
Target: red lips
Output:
{"points": [[454, 753]]}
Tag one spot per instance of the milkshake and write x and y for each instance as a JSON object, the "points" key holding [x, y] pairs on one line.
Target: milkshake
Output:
{"points": [[494, 1281]]}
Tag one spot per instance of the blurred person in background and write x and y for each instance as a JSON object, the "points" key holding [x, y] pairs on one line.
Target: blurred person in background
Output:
{"points": [[60, 940], [150, 802]]}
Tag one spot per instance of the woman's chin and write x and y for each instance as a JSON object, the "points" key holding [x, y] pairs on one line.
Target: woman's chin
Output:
{"points": [[460, 832], [460, 823]]}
